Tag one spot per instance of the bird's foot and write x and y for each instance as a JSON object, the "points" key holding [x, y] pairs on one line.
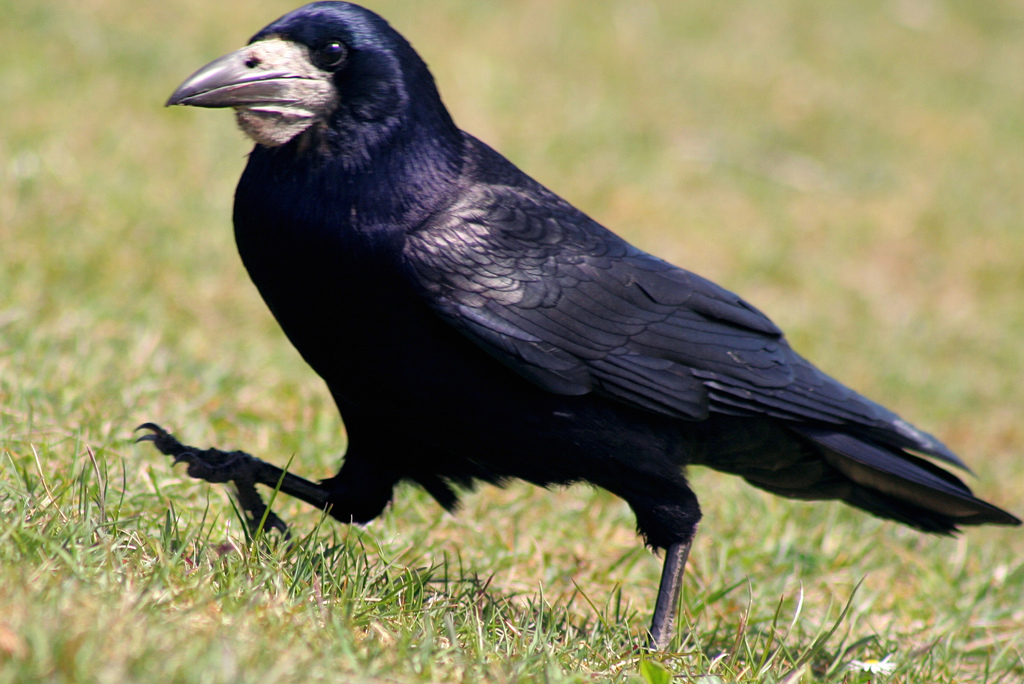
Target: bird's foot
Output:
{"points": [[213, 465]]}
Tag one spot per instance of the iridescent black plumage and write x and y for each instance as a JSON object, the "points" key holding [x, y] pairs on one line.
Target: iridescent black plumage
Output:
{"points": [[471, 325]]}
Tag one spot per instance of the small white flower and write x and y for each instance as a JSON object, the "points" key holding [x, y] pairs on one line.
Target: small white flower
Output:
{"points": [[873, 666]]}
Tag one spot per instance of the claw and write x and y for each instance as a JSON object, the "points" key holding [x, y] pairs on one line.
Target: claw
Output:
{"points": [[237, 467], [158, 433]]}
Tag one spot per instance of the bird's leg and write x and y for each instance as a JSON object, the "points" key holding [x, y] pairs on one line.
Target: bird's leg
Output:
{"points": [[241, 469], [668, 595]]}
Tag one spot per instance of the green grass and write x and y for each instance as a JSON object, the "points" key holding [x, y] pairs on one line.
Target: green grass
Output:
{"points": [[852, 168]]}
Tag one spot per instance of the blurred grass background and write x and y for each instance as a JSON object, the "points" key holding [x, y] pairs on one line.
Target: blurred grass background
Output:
{"points": [[853, 169]]}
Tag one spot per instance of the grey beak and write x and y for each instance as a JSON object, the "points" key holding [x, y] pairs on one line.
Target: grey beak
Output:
{"points": [[234, 80]]}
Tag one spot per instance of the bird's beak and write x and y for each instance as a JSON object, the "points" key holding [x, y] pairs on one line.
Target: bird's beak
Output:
{"points": [[276, 91], [245, 78]]}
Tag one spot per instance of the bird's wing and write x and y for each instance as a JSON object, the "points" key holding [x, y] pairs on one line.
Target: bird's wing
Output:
{"points": [[572, 307]]}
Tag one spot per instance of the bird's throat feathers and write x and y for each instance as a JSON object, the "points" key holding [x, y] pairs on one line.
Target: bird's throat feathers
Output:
{"points": [[312, 186]]}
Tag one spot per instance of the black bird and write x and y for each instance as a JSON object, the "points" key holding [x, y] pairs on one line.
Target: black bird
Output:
{"points": [[471, 325]]}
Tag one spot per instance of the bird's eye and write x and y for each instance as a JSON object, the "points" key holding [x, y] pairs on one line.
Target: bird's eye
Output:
{"points": [[330, 55]]}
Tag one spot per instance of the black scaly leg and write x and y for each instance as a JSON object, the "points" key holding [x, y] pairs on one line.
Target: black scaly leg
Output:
{"points": [[668, 595], [667, 514], [241, 469]]}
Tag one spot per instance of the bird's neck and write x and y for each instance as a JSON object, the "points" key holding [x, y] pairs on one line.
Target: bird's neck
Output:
{"points": [[370, 191]]}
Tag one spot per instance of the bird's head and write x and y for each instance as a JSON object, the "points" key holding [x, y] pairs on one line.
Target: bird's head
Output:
{"points": [[334, 69]]}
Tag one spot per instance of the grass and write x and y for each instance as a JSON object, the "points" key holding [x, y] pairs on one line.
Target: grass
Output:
{"points": [[851, 168]]}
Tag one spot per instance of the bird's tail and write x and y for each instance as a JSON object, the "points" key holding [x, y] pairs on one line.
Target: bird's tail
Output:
{"points": [[892, 483]]}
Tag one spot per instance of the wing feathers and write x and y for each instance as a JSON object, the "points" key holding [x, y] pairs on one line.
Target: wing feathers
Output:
{"points": [[572, 307]]}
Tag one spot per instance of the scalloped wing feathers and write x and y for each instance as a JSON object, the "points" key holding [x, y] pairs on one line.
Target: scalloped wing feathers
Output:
{"points": [[575, 309]]}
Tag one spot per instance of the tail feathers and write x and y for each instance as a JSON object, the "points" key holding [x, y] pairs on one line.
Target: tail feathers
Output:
{"points": [[892, 483]]}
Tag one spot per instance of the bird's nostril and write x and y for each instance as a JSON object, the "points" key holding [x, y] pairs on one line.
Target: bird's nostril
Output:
{"points": [[252, 62]]}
